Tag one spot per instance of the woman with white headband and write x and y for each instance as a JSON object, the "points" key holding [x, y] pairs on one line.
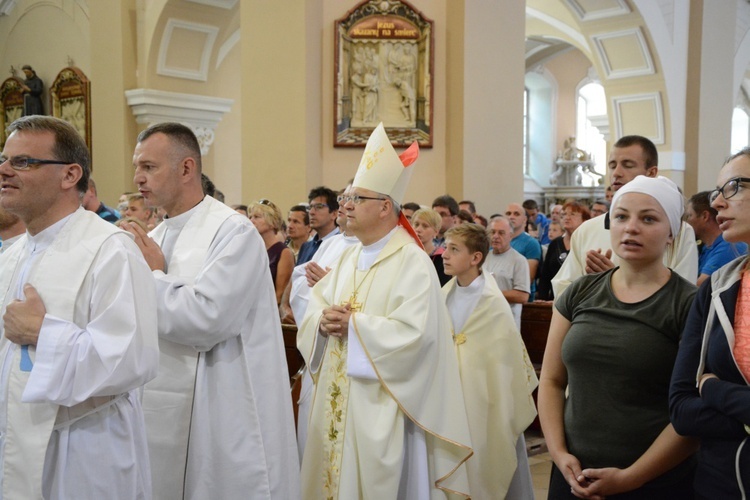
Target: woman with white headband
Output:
{"points": [[709, 397], [612, 343]]}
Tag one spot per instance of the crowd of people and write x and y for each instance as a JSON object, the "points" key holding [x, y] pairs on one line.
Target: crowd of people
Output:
{"points": [[143, 356]]}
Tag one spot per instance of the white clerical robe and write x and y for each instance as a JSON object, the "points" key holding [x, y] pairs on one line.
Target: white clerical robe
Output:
{"points": [[365, 429], [326, 256], [681, 256], [497, 379], [219, 414], [71, 424]]}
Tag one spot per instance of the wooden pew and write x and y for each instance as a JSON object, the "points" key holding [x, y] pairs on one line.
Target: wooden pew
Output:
{"points": [[295, 363], [535, 319]]}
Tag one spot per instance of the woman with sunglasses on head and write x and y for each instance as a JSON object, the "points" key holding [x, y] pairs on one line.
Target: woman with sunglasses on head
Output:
{"points": [[266, 218], [709, 396], [613, 339]]}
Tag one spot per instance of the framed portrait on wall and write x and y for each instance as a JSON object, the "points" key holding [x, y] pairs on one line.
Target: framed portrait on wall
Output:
{"points": [[383, 72], [11, 104], [70, 96]]}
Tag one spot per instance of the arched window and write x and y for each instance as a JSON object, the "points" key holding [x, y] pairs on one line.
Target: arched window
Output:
{"points": [[540, 96], [591, 103], [740, 129]]}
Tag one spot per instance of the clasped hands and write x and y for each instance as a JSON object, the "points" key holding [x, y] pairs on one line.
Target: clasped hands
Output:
{"points": [[335, 321], [595, 484]]}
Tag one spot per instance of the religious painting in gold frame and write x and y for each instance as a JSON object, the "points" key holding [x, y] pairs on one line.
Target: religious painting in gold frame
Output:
{"points": [[383, 72], [11, 104], [70, 99]]}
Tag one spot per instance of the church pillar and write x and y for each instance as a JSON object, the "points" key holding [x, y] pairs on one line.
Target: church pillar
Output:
{"points": [[280, 79], [709, 97], [113, 71], [485, 102]]}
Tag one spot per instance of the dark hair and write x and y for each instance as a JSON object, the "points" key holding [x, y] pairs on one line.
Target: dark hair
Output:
{"points": [[181, 136], [472, 206], [329, 194], [602, 201], [208, 186], [649, 150], [700, 203], [465, 216], [69, 145], [530, 205], [303, 209], [481, 220], [472, 235], [448, 202], [410, 206]]}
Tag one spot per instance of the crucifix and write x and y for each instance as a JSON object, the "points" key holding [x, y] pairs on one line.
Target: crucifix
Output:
{"points": [[354, 306]]}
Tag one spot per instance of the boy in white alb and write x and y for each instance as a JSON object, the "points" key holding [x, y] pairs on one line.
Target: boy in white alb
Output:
{"points": [[496, 374]]}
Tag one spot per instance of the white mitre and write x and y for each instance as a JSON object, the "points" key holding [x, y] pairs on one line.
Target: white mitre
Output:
{"points": [[382, 170]]}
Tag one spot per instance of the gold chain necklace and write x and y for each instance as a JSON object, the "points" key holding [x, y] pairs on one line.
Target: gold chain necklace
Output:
{"points": [[355, 306]]}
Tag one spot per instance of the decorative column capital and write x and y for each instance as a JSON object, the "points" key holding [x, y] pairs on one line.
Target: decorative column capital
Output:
{"points": [[201, 113]]}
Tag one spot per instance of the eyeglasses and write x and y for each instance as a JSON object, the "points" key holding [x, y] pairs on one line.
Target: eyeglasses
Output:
{"points": [[317, 206], [25, 163], [266, 202], [728, 190], [356, 199]]}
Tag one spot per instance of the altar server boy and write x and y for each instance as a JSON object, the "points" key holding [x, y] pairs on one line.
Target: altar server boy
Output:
{"points": [[496, 374]]}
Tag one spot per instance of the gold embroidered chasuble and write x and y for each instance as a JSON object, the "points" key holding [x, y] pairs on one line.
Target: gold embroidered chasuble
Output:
{"points": [[498, 379], [355, 447]]}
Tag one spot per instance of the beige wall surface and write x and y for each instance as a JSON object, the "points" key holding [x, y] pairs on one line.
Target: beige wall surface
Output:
{"points": [[277, 139], [569, 69]]}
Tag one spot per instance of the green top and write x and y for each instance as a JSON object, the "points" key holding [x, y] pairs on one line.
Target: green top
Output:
{"points": [[619, 359]]}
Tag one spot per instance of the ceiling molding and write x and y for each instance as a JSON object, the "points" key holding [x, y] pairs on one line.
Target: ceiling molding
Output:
{"points": [[222, 4], [636, 35], [201, 113], [201, 73], [227, 46], [570, 31], [654, 98], [617, 8]]}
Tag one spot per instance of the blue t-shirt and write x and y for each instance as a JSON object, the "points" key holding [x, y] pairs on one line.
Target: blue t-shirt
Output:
{"points": [[529, 247], [721, 252], [542, 225]]}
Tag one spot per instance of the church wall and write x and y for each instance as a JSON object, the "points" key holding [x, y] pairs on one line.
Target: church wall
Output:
{"points": [[25, 38], [225, 169], [568, 70], [340, 164]]}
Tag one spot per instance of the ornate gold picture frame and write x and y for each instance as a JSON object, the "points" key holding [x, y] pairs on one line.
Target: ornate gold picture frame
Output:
{"points": [[70, 99], [383, 72], [11, 104]]}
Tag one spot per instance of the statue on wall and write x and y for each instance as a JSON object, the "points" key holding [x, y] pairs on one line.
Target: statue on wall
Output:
{"points": [[571, 152], [408, 100], [572, 165], [32, 90], [365, 86]]}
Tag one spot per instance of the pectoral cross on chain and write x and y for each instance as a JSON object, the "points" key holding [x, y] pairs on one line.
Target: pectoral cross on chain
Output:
{"points": [[354, 306]]}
